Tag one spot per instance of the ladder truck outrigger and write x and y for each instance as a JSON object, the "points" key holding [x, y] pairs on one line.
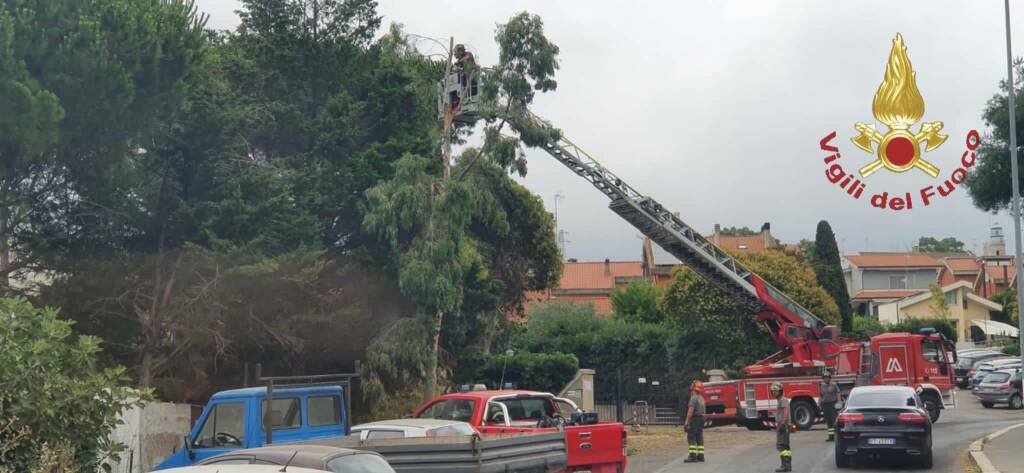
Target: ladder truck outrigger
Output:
{"points": [[807, 345]]}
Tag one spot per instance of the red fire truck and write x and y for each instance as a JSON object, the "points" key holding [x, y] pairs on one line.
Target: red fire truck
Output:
{"points": [[807, 346]]}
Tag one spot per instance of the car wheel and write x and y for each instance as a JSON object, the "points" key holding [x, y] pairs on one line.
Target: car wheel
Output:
{"points": [[803, 414], [926, 460], [1016, 402], [987, 405], [933, 407], [842, 459]]}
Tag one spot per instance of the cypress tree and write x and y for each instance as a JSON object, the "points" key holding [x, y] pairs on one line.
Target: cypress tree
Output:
{"points": [[830, 271]]}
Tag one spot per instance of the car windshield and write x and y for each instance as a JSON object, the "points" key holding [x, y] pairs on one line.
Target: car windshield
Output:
{"points": [[996, 378], [859, 399], [450, 409]]}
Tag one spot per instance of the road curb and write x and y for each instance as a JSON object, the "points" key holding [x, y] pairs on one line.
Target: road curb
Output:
{"points": [[977, 450]]}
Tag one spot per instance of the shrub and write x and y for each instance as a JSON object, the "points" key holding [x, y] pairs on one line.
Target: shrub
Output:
{"points": [[54, 393]]}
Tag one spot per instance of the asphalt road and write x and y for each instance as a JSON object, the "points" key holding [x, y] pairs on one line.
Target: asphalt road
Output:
{"points": [[953, 433]]}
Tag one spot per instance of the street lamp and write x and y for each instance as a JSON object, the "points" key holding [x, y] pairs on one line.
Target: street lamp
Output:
{"points": [[508, 354], [1015, 179]]}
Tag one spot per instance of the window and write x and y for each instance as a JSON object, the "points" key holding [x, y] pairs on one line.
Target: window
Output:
{"points": [[384, 434], [324, 410], [495, 414], [224, 427], [528, 408], [284, 413], [995, 378], [898, 282], [930, 351], [881, 398], [742, 247], [359, 463], [951, 297], [450, 409]]}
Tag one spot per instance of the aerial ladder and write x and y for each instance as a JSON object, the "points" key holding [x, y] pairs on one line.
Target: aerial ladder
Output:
{"points": [[806, 343]]}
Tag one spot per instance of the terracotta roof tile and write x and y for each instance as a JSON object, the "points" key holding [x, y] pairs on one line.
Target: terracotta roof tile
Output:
{"points": [[893, 260], [963, 265], [741, 243], [995, 273], [886, 293], [594, 275]]}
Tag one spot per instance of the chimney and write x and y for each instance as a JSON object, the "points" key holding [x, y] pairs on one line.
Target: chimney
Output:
{"points": [[607, 267], [766, 234], [718, 234]]}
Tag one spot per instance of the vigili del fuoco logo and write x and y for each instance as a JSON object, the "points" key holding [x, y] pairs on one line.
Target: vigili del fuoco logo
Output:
{"points": [[898, 148]]}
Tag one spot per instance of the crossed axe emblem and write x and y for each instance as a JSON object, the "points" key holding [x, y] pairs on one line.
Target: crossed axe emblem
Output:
{"points": [[899, 149]]}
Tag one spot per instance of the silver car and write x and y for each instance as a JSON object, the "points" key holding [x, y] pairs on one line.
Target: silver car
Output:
{"points": [[1001, 387]]}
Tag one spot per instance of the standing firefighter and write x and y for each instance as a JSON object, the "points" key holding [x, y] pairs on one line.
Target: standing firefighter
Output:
{"points": [[694, 424], [782, 428], [830, 398]]}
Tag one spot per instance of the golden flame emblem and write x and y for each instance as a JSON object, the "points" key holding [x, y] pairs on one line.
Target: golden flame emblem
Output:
{"points": [[898, 104]]}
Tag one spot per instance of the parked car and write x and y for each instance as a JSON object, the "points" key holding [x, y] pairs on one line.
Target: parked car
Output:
{"points": [[317, 457], [239, 469], [1001, 387], [406, 428], [883, 420], [965, 366], [984, 368]]}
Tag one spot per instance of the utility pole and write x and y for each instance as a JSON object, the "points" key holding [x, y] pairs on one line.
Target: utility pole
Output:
{"points": [[561, 233], [1015, 207]]}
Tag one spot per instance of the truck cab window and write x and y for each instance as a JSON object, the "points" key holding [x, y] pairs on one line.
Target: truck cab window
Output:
{"points": [[931, 351], [224, 427], [284, 413], [324, 410], [450, 409]]}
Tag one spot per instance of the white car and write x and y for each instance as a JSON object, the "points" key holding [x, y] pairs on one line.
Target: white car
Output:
{"points": [[238, 469], [406, 428]]}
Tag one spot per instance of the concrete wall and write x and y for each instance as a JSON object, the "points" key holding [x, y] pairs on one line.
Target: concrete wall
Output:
{"points": [[151, 433]]}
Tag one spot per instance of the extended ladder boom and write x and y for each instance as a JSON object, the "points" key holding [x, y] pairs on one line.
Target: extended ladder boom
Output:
{"points": [[682, 241]]}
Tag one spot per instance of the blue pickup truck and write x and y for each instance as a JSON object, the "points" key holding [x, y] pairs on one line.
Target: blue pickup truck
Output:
{"points": [[234, 419]]}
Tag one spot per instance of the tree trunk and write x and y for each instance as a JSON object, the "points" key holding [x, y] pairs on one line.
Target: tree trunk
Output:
{"points": [[430, 390], [146, 369]]}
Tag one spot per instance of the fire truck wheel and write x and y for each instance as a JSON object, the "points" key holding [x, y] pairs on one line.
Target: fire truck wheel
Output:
{"points": [[803, 414]]}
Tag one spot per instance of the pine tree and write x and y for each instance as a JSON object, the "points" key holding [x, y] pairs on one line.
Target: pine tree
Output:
{"points": [[830, 271]]}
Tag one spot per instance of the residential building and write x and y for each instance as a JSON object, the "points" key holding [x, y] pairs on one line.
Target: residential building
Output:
{"points": [[999, 268], [658, 264], [590, 283], [969, 313], [875, 278]]}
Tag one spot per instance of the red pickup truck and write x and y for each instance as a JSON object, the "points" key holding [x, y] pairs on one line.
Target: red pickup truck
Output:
{"points": [[597, 448]]}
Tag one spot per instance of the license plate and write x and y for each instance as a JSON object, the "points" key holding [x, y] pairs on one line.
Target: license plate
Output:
{"points": [[877, 441]]}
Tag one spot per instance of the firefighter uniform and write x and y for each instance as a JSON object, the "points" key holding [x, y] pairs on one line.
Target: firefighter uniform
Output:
{"points": [[829, 392], [782, 417], [695, 429]]}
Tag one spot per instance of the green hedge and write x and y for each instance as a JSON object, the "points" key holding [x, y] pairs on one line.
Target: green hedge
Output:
{"points": [[547, 372]]}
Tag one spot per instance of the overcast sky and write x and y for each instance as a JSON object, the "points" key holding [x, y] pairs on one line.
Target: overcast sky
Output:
{"points": [[716, 108]]}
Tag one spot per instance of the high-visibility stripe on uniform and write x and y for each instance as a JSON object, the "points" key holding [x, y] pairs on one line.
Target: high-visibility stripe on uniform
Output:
{"points": [[786, 453], [693, 449], [700, 449]]}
